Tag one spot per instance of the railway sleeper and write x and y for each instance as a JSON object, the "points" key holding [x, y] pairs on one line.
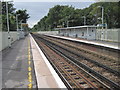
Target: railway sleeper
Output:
{"points": [[113, 84], [104, 66], [95, 62], [88, 68]]}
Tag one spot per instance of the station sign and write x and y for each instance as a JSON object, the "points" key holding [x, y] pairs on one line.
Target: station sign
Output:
{"points": [[24, 24], [101, 25]]}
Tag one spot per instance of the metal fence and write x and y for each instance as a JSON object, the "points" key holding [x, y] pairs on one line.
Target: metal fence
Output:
{"points": [[108, 35], [48, 32]]}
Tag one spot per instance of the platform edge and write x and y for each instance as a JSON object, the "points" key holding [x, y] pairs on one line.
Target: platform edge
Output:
{"points": [[53, 72]]}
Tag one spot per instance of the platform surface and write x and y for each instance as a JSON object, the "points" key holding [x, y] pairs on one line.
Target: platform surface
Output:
{"points": [[113, 45], [17, 66], [45, 74], [25, 66]]}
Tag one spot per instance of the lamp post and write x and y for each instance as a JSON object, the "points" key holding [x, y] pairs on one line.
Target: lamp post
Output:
{"points": [[102, 15], [17, 21], [22, 30], [17, 25], [67, 23], [7, 16], [63, 24], [21, 25], [9, 38], [84, 20]]}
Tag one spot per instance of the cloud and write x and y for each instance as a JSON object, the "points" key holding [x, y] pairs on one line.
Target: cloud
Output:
{"points": [[38, 10], [32, 23]]}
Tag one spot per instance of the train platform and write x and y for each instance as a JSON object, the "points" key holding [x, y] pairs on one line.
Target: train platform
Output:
{"points": [[45, 74], [25, 66], [113, 45], [17, 66]]}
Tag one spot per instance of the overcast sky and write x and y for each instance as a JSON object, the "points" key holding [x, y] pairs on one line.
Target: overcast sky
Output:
{"points": [[37, 9], [62, 0], [54, 0]]}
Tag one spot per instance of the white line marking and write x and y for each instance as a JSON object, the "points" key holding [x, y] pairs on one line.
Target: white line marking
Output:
{"points": [[55, 75], [90, 42]]}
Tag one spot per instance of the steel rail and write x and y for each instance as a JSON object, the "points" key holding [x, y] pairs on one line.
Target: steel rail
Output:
{"points": [[116, 86], [96, 62], [54, 65]]}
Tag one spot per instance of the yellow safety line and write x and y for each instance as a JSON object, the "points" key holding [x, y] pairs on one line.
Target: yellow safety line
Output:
{"points": [[29, 68]]}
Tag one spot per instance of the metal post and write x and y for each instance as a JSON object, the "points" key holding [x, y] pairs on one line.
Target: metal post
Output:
{"points": [[21, 30], [67, 23], [63, 24], [7, 16], [9, 38], [17, 21], [102, 16], [17, 25], [21, 25], [106, 26], [87, 33], [84, 20]]}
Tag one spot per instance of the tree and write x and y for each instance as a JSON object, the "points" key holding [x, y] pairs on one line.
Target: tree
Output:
{"points": [[22, 15], [11, 11], [61, 15]]}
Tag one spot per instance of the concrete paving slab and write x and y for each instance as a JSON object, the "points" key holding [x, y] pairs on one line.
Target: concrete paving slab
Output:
{"points": [[15, 72]]}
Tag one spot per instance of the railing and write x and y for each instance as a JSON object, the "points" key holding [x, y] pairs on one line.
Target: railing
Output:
{"points": [[108, 35]]}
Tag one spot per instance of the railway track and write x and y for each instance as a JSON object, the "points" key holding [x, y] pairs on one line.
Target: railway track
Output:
{"points": [[112, 65], [101, 56], [79, 62]]}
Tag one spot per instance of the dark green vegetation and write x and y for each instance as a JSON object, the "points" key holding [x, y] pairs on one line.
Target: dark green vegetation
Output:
{"points": [[60, 16], [22, 17]]}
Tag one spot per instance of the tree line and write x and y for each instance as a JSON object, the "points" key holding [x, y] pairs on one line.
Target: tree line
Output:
{"points": [[22, 16], [63, 16]]}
